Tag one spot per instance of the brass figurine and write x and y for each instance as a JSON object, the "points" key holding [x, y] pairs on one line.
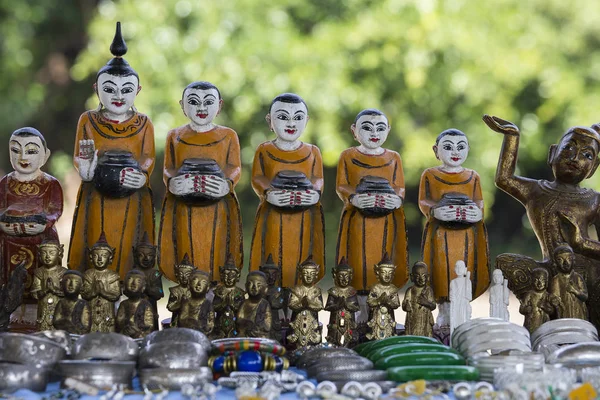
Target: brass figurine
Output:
{"points": [[382, 301], [568, 285], [228, 299], [342, 303], [254, 318], [419, 302], [538, 305], [72, 314], [305, 302], [197, 311], [101, 286], [144, 255], [177, 294], [46, 288], [136, 315], [276, 296]]}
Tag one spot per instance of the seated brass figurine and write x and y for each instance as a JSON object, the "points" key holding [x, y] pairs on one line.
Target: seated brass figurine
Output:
{"points": [[419, 302], [101, 286], [276, 296], [46, 282], [382, 301], [342, 303], [144, 256], [197, 311], [538, 305], [568, 285], [178, 293], [254, 317], [72, 314], [136, 316], [228, 300]]}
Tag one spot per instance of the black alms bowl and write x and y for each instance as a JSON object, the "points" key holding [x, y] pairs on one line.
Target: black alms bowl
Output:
{"points": [[107, 177], [293, 181], [374, 185], [200, 166], [455, 199]]}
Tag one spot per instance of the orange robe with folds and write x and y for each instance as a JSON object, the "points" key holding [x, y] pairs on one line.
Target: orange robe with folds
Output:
{"points": [[365, 240], [123, 220], [442, 246], [290, 237], [207, 233]]}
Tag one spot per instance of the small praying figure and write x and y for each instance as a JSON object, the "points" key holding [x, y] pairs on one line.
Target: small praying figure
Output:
{"points": [[499, 295], [101, 286], [254, 317], [46, 282], [144, 255], [538, 305], [228, 299], [382, 301], [419, 302], [342, 303], [461, 294], [276, 296], [177, 294], [72, 314], [136, 316], [568, 285], [197, 311]]}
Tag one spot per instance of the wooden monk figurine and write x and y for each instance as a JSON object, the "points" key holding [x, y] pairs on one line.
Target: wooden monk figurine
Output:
{"points": [[383, 300], [370, 182], [568, 285], [101, 286], [275, 296], [560, 211], [537, 305], [201, 214], [342, 303], [177, 294], [136, 316], [145, 261], [450, 198], [254, 317], [196, 310], [228, 300], [419, 303], [72, 314], [46, 287], [114, 155], [287, 176]]}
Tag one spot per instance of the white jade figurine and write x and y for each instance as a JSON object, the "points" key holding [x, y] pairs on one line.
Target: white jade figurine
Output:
{"points": [[499, 295], [461, 294]]}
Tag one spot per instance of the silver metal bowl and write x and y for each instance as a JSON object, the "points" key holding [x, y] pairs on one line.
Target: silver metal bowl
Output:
{"points": [[105, 346], [101, 374], [25, 349], [173, 355], [17, 376], [174, 379], [176, 335], [61, 337]]}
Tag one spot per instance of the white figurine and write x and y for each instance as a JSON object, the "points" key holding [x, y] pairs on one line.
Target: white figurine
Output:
{"points": [[499, 294], [461, 294]]}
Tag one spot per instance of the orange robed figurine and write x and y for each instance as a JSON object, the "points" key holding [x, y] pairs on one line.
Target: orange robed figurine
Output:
{"points": [[201, 214], [450, 197], [114, 154], [287, 176], [370, 181]]}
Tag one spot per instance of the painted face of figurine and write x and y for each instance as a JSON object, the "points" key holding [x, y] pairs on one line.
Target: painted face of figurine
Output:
{"points": [[101, 257], [343, 278], [309, 275], [27, 154], [288, 120], [371, 131], [452, 150], [419, 276], [540, 281], [256, 285], [272, 275], [135, 283], [72, 284], [386, 274], [460, 268], [117, 93], [199, 284], [564, 261], [50, 255], [497, 277], [183, 275], [201, 106], [574, 159], [146, 257], [229, 277]]}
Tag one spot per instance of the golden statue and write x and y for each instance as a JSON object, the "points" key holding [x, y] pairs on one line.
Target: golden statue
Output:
{"points": [[254, 317], [46, 286], [342, 303], [305, 302], [177, 294], [136, 316], [419, 303], [382, 301], [101, 286], [537, 305], [568, 285], [196, 310], [228, 299], [276, 296], [144, 254], [72, 314]]}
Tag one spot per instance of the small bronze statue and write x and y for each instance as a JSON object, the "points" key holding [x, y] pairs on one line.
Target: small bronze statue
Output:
{"points": [[144, 255], [46, 287], [72, 314], [11, 294], [228, 299], [342, 303], [306, 300], [382, 301], [538, 305], [568, 285], [136, 316], [419, 302], [254, 318], [276, 296], [178, 293], [197, 311], [101, 286]]}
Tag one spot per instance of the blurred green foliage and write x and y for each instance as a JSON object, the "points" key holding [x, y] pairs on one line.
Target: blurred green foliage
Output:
{"points": [[429, 65]]}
